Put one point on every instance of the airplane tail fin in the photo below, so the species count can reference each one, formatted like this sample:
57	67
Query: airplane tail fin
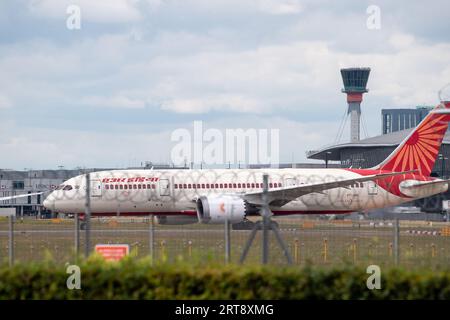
420	148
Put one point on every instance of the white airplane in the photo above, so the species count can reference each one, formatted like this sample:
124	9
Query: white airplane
211	196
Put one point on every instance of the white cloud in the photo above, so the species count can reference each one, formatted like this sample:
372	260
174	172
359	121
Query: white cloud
223	103
50	148
116	101
5	102
401	40
103	11
281	6
195	57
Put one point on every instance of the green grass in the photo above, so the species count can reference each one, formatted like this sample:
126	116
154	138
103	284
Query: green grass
326	243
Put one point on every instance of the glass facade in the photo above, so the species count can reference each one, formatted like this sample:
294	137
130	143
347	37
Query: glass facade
400	119
355	79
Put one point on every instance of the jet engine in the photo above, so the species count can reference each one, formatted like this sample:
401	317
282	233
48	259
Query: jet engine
175	220
215	209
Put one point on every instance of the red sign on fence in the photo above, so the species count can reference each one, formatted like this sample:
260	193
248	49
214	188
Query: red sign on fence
112	252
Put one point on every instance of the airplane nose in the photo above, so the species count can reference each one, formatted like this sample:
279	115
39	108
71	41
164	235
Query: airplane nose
49	203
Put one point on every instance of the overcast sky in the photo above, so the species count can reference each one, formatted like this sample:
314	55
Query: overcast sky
111	93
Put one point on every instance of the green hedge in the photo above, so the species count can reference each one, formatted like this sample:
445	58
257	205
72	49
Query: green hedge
136	279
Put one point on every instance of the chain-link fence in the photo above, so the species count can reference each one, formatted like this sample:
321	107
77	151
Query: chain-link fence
310	241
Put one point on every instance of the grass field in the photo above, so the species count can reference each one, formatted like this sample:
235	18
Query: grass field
314	242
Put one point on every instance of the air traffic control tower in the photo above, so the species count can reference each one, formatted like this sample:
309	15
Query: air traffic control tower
355	81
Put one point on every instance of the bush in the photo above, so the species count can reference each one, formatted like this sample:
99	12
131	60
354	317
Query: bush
137	279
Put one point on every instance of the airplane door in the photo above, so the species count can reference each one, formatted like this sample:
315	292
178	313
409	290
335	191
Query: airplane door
96	188
372	189
164	187
288	182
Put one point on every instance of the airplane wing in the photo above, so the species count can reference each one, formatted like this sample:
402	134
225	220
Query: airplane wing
281	196
20	196
420	184
414	188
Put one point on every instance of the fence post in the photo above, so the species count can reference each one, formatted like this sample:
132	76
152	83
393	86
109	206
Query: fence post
190	249
265	221
151	239
433	250
163	251
87	216
77	234
396	242
11	240
296	251
227	241
325	250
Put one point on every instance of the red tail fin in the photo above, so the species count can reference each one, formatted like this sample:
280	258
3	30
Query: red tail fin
420	149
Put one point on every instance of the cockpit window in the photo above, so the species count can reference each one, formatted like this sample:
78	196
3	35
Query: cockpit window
60	187
67	188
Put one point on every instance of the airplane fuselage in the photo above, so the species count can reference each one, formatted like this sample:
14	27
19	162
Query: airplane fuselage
165	192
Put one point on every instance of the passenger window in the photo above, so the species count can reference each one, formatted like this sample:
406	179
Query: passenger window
221	185
144	186
125	187
234	185
116	187
253	185
207	186
203	186
217	185
121	187
175	186
153	186
139	186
